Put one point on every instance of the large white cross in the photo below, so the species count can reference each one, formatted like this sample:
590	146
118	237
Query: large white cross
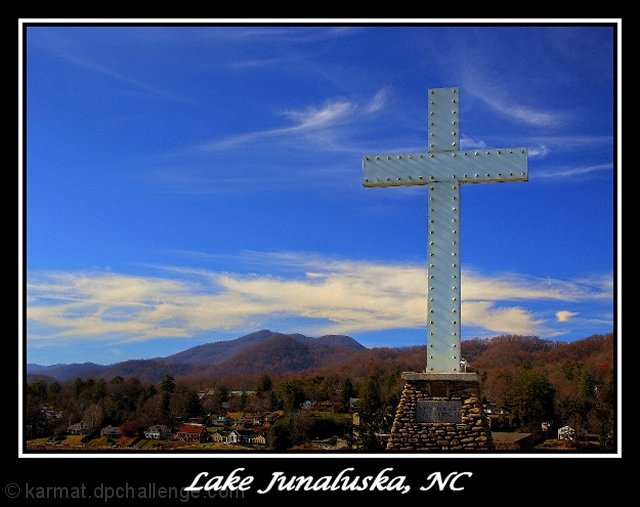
444	168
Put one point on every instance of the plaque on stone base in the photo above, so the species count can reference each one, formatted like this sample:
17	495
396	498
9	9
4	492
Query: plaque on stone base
432	411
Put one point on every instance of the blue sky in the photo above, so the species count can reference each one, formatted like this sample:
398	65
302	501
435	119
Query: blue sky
191	184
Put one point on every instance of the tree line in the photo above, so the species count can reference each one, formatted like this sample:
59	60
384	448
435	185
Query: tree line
532	381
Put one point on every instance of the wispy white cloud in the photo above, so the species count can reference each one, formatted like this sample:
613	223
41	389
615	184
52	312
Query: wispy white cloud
568	172
320	117
540	150
514	286
468	143
297	35
325	295
283	45
498	98
509	108
63	48
244	179
101	69
312	120
569	143
252	63
524	113
565	315
378	101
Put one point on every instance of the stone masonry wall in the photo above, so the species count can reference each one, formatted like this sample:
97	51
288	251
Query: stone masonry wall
471	433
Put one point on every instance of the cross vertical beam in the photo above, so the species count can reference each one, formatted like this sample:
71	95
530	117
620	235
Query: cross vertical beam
443	245
444	168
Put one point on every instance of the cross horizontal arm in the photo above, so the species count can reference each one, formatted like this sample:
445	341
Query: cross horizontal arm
474	166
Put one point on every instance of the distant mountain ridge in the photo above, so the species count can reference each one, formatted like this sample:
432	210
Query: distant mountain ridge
277	353
260	351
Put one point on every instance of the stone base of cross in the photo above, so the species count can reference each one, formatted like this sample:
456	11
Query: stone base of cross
443	168
440	412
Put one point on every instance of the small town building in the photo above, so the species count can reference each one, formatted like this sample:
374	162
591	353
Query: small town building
157	432
111	432
191	432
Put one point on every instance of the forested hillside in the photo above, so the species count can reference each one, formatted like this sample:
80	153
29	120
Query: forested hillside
531	380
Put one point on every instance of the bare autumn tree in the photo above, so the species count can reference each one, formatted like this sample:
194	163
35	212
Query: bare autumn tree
92	416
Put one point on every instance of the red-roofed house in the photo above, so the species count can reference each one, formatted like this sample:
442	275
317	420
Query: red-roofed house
190	432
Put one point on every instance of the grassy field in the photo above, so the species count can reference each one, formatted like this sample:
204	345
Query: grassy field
566	445
72	440
210	446
146	444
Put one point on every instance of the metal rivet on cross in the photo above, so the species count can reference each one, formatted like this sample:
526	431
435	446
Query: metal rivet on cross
440	169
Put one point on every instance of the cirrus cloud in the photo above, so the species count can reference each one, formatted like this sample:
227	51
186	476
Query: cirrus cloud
310	121
325	295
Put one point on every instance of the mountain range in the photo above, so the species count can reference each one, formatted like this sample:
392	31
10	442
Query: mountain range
277	353
260	351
